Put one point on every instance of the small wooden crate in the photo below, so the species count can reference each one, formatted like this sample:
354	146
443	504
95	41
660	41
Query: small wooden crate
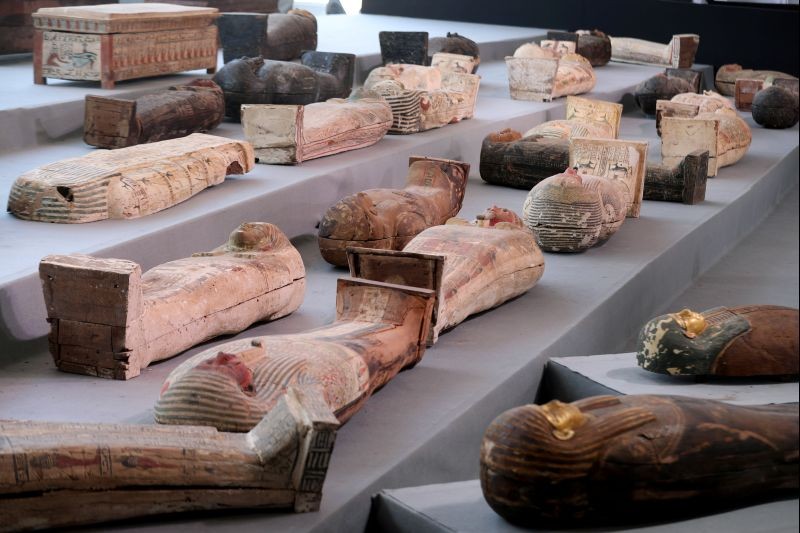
114	42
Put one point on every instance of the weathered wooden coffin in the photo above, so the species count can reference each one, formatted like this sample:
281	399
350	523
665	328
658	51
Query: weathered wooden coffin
471	266
755	340
511	160
127	183
614	460
715	126
622	162
728	74
594	45
678	53
176	112
684	182
280	36
584	118
16	22
227	6
571	212
664	86
114	42
424	98
388	219
457	45
379	330
289	134
70	474
541	74
404	47
776	107
318	77
107	319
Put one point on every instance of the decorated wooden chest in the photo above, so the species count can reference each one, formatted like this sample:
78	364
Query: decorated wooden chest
115	42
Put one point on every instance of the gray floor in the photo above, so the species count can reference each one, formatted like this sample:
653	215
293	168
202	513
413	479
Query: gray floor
762	269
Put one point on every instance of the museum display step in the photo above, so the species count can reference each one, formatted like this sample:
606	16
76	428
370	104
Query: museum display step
450	507
293	197
425	426
572	378
36	114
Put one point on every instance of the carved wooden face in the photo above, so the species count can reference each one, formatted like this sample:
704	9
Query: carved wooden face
495	215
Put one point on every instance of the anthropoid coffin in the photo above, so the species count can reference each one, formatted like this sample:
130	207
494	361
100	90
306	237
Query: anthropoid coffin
728	74
288	134
72	474
379	330
281	36
318	77
471	266
755	340
664	86
624	460
388	219
423	98
16	22
227	6
127	183
773	104
571	212
511	160
107	319
114	42
678	53
584	118
706	121
175	112
594	45
541	74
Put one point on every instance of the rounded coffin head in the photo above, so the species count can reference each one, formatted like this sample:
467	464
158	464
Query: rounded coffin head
564	215
775	107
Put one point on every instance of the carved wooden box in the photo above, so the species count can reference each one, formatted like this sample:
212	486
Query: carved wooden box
114	42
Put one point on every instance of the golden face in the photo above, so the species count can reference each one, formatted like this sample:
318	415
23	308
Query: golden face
692	323
565	418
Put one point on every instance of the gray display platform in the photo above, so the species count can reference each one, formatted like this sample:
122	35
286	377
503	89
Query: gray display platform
36	114
294	197
425	425
460	507
573	378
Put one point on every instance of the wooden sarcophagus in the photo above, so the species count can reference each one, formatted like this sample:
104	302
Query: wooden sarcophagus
626	460
108	319
542	74
129	182
181	110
